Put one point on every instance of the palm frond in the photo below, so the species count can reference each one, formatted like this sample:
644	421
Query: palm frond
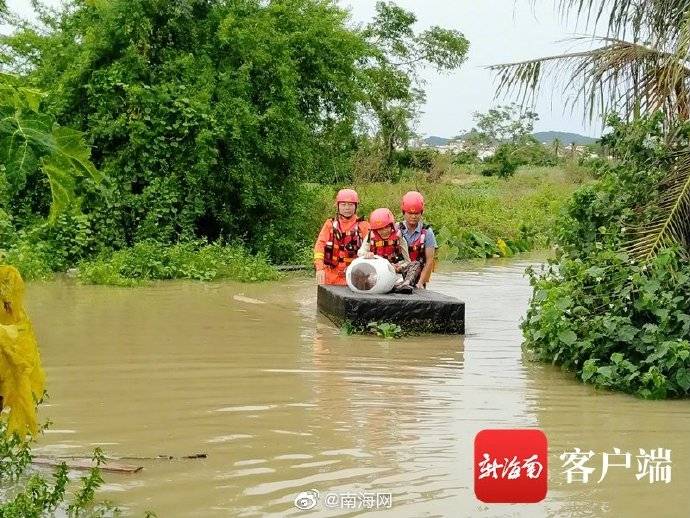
617	75
671	225
640	67
638	20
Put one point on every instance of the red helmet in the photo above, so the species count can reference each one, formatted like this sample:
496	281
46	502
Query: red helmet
381	218
412	202
347	196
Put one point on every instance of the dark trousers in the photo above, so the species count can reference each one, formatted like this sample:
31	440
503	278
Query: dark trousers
411	273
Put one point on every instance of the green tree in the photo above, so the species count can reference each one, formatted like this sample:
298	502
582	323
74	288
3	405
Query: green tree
208	114
502	124
205	114
392	88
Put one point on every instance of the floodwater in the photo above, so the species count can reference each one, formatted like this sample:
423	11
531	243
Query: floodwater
281	403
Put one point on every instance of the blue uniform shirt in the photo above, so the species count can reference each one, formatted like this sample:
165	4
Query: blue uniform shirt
411	237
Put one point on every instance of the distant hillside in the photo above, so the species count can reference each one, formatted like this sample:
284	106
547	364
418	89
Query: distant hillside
542	136
436	141
564	137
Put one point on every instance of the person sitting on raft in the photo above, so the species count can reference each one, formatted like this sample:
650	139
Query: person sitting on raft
384	240
420	239
339	239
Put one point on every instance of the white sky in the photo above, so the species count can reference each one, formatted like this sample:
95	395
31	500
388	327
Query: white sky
499	31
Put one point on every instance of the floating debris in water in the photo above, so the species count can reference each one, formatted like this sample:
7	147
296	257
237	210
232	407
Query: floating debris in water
248	300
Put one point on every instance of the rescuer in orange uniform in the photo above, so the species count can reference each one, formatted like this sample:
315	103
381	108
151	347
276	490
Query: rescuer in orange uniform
339	239
420	238
384	240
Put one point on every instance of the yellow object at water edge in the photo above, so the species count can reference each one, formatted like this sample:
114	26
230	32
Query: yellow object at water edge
21	376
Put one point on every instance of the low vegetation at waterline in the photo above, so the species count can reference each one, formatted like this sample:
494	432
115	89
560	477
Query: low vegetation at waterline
386	330
28	493
147	261
474	217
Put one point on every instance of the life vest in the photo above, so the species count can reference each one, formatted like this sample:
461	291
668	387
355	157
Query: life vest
343	246
417	248
386	248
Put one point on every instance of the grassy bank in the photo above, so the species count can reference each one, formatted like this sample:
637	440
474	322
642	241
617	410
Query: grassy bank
473	216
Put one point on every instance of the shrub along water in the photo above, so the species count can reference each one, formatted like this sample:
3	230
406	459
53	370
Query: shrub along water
150	260
486	217
24	493
617	322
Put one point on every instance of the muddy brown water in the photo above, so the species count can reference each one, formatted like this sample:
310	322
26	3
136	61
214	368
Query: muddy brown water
282	403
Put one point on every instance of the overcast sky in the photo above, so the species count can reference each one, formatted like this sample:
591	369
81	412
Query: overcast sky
499	31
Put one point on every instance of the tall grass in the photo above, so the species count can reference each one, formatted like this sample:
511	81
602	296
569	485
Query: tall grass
472	217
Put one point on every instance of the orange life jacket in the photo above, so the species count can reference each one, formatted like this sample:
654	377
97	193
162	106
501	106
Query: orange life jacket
386	248
417	247
343	245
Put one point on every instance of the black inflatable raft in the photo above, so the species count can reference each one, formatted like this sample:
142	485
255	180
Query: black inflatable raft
422	311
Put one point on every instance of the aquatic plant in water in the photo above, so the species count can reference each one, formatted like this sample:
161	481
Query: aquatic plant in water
385	329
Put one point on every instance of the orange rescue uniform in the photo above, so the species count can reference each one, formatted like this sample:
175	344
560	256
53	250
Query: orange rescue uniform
335	274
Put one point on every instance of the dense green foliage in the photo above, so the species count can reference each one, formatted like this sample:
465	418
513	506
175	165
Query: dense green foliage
35	151
44	171
44	167
205	117
616	322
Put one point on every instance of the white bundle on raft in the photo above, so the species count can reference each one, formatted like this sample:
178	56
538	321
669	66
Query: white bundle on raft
375	275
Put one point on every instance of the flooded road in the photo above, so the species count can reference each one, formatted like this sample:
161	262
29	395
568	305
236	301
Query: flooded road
282	403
